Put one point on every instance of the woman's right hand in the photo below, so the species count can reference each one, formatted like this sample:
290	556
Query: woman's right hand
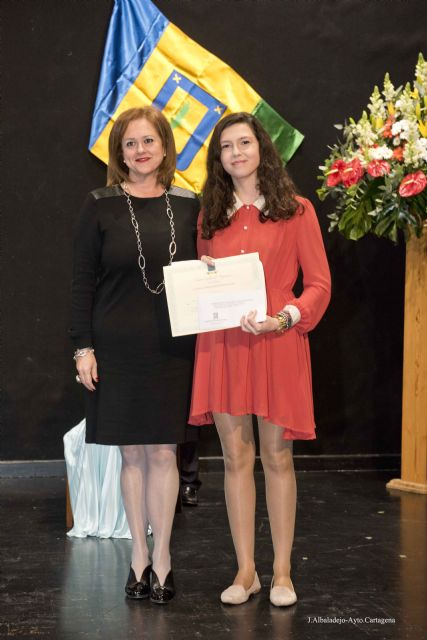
208	260
87	369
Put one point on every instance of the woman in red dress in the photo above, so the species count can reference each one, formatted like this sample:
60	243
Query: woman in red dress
261	368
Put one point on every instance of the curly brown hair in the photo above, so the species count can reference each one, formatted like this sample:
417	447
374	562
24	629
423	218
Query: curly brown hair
274	182
117	171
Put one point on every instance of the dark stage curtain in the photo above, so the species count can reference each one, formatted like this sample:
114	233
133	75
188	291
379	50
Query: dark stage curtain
316	63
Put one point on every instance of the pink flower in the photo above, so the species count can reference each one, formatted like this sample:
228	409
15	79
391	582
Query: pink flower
412	184
378	168
352	173
335	173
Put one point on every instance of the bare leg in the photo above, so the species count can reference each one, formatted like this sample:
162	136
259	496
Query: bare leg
238	447
132	480
280	485
161	496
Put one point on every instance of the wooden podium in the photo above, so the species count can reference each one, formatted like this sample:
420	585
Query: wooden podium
414	403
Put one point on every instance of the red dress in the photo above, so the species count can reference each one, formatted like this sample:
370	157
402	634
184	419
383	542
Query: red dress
267	375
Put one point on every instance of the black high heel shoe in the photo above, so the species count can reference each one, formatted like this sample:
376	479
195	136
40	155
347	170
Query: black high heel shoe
162	594
138	589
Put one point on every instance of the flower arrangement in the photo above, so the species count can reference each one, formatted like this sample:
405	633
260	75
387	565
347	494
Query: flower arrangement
378	173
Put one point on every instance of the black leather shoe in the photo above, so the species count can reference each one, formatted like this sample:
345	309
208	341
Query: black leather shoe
162	594
189	496
138	589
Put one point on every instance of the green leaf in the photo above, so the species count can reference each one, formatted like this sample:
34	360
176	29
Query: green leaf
383	227
322	194
393	233
355	222
356	233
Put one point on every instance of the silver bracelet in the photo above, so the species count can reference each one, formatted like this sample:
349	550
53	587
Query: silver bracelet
79	353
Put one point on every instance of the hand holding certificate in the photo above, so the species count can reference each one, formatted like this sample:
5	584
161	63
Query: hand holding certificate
202	298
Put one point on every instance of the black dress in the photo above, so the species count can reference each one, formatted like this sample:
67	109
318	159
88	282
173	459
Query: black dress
143	393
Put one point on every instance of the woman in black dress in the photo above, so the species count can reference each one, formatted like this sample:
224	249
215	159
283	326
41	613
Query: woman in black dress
137	378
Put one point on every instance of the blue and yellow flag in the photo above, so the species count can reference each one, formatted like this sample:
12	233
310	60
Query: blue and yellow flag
149	61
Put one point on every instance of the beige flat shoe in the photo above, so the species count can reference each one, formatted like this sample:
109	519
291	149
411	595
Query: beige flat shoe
237	594
282	596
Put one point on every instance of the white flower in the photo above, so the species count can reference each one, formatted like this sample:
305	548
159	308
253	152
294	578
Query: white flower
357	154
364	134
407	129
420	146
380	153
415	152
399	126
405	104
350	132
421	72
389	92
377	105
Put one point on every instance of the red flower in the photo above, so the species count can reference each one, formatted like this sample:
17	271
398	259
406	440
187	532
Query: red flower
412	184
352	173
378	168
335	173
398	154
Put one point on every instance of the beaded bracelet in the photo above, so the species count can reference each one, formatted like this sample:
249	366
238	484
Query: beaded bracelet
79	353
285	321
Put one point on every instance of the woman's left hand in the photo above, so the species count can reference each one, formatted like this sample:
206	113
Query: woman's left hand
250	325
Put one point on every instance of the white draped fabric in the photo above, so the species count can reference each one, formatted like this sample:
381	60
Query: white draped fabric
94	481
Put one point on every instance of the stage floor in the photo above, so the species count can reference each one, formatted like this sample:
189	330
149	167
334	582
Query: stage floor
359	568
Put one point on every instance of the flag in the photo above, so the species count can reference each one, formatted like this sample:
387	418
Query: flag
149	61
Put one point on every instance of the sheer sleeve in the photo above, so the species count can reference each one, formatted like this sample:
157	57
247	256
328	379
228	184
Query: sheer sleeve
313	301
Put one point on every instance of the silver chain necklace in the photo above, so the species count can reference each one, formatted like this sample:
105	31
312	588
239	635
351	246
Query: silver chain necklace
172	245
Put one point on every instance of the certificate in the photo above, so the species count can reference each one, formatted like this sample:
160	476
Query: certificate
202	298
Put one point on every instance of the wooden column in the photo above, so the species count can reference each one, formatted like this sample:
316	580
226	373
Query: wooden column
414	404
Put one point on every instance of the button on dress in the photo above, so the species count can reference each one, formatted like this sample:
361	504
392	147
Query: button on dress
268	375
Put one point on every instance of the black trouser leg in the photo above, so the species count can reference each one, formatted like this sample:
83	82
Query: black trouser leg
189	459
